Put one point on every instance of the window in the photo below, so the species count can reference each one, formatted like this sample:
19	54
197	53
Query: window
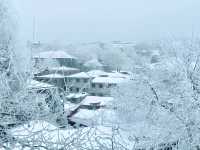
168	148
93	85
71	89
95	105
77	89
85	80
104	75
40	104
100	94
100	85
77	80
109	85
85	89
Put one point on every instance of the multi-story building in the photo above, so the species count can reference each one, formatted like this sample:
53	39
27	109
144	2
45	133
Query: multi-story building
79	82
95	82
102	86
61	57
58	70
54	79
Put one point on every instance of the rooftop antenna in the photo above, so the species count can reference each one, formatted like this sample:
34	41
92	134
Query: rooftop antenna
34	29
32	44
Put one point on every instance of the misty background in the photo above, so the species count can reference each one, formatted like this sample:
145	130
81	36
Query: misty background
67	21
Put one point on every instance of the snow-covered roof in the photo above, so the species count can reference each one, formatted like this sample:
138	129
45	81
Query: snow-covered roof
111	80
63	68
123	72
155	52
93	117
79	75
53	54
55	75
114	74
69	107
118	75
96	73
33	84
89	100
76	95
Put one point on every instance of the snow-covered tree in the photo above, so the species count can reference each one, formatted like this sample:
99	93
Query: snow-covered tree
18	103
165	95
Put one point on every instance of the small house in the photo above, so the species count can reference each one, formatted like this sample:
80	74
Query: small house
101	86
96	102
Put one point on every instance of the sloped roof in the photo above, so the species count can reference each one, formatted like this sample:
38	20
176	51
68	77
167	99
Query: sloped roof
79	75
53	54
118	75
97	99
69	107
93	117
96	73
55	75
33	84
63	68
76	95
108	80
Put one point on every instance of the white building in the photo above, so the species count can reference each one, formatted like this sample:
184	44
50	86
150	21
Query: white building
76	97
102	86
63	70
95	82
54	79
96	102
79	82
36	85
63	58
94	110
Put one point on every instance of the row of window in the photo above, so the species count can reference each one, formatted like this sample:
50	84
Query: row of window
97	94
99	85
76	89
94	85
78	80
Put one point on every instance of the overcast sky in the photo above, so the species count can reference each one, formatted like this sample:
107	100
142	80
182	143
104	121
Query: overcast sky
107	20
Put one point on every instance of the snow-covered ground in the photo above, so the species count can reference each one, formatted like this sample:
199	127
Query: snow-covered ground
43	134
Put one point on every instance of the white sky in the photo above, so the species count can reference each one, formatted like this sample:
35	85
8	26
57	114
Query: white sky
107	20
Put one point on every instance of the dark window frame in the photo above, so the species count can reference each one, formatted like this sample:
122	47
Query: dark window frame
93	85
101	85
85	80
78	80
